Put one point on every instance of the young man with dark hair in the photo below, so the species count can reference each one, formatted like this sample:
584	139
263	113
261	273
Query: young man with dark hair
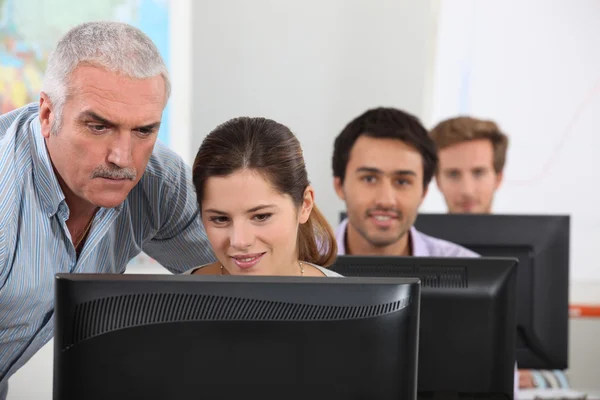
383	162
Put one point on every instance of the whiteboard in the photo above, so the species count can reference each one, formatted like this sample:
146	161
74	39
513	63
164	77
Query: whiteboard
534	68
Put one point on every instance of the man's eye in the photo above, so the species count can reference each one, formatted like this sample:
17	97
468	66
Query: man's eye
368	178
98	128
146	132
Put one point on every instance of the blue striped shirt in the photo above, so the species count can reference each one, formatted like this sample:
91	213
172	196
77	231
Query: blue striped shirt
160	216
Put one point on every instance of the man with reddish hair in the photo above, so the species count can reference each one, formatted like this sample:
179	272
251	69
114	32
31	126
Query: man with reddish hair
472	154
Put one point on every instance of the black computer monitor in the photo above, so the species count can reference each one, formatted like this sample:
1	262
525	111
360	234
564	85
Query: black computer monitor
226	337
541	243
468	318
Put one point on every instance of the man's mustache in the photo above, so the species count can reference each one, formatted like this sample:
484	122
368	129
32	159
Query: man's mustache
114	173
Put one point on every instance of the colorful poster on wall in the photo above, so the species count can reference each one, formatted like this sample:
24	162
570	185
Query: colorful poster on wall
29	30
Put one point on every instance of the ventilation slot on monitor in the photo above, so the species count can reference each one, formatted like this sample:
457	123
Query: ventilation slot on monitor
435	276
109	314
443	277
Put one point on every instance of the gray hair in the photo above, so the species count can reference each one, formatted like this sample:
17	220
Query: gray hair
114	46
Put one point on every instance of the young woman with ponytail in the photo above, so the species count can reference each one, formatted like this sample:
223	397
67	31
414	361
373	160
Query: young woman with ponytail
257	205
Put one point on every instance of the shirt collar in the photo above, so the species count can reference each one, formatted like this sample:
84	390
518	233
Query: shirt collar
46	184
340	237
417	242
419	246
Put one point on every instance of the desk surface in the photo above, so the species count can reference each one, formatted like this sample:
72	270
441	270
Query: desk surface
532	394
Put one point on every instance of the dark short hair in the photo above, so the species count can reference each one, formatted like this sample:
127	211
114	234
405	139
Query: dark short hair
385	123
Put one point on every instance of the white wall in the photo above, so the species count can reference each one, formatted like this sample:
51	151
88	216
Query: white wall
534	67
312	65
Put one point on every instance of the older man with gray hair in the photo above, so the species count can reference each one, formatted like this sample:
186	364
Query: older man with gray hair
84	185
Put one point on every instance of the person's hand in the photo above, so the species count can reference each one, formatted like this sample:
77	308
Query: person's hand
526	379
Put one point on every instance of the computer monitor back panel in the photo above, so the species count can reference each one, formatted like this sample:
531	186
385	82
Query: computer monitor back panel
171	337
467	321
541	244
